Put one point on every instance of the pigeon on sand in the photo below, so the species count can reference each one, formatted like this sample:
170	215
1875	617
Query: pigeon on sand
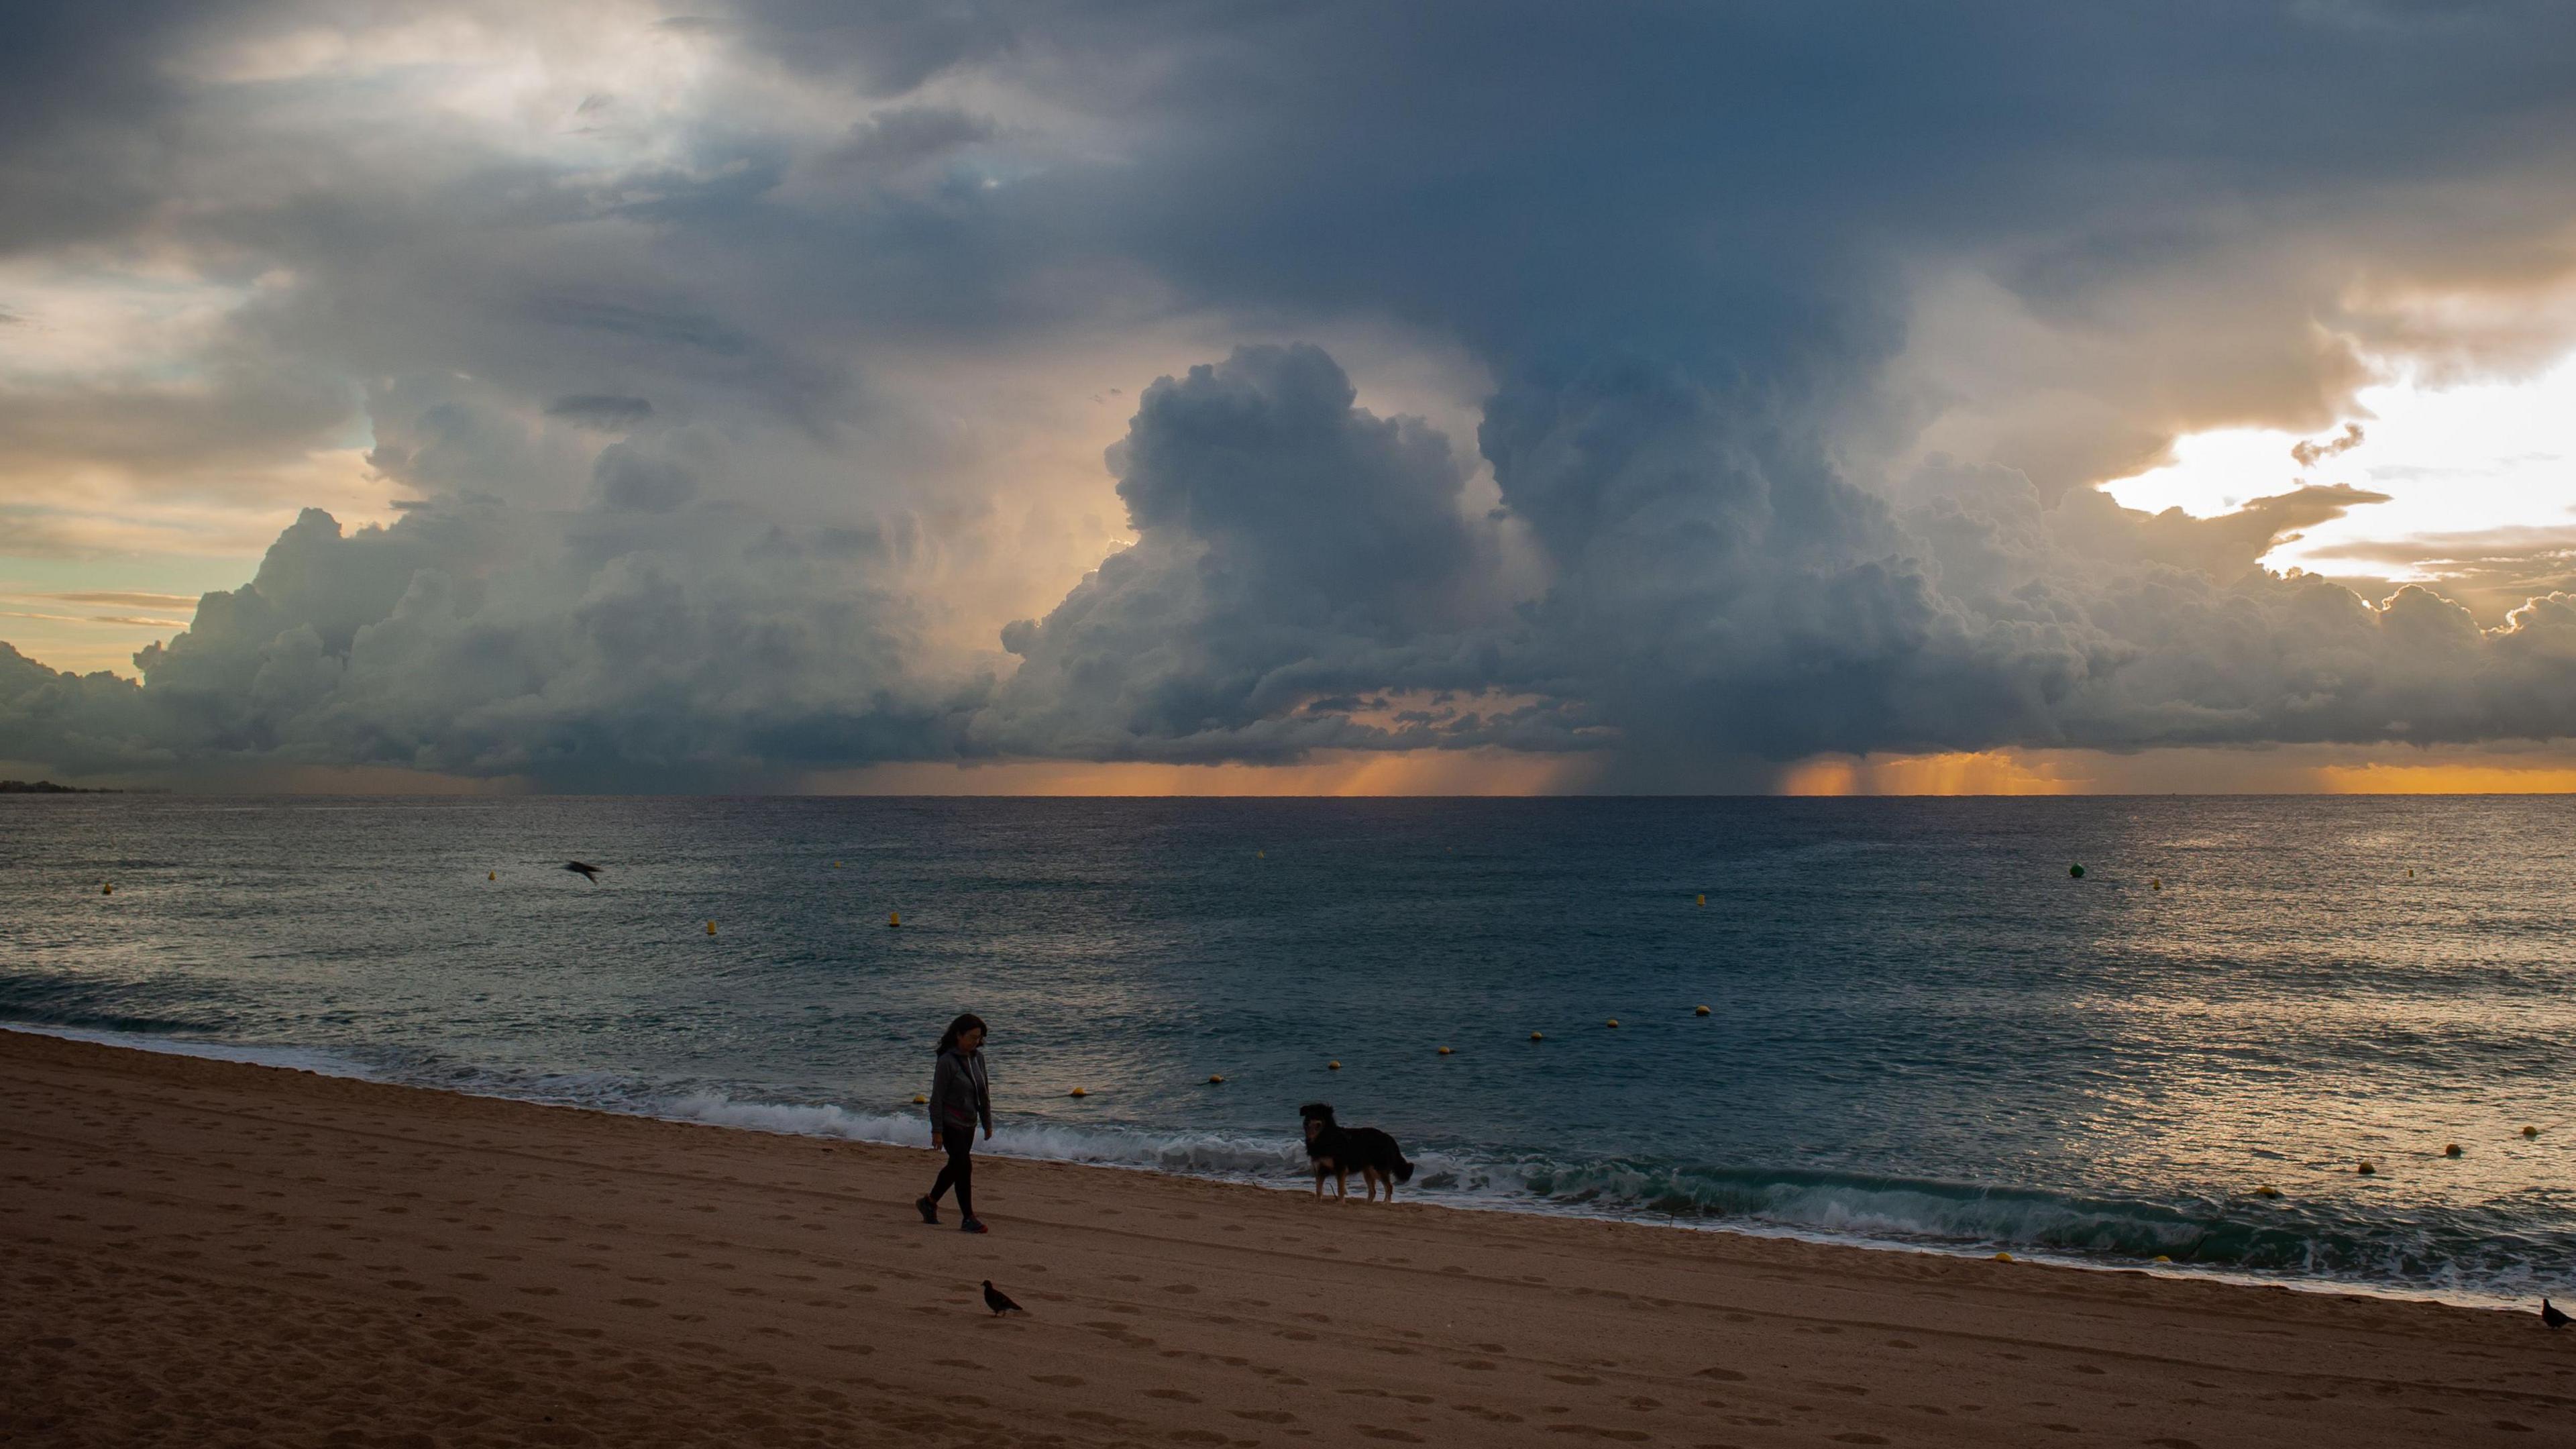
584	869
999	1301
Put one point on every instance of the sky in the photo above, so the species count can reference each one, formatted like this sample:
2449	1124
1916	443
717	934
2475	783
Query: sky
1264	398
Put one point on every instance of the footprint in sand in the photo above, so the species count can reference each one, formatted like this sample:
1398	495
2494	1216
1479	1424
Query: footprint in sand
1266	1416
1574	1378
1178	1396
1595	1431
1061	1381
1857	1438
1394	1435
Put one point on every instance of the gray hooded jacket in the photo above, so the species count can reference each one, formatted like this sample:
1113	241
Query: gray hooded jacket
959	1094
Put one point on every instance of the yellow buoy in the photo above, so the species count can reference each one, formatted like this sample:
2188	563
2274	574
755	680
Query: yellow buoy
2003	1257
1332	1066
1702	899
2155	882
1699	1011
491	875
1538	1036
1444	1051
1215	1081
894	920
2530	1131
1614	1021
918	1099
711	928
2451	1149
106	888
2161	1258
836	865
1077	1092
2367	1167
2410	872
2267	1190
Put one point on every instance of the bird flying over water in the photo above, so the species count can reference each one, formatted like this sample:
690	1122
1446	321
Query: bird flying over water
999	1301
584	869
2549	1313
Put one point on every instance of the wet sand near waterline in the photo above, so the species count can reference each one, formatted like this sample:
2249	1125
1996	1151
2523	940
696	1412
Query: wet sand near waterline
197	1252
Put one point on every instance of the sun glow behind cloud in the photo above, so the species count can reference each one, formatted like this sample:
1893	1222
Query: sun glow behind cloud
2489	458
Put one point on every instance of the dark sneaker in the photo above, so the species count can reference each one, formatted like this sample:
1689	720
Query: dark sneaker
929	1210
973	1225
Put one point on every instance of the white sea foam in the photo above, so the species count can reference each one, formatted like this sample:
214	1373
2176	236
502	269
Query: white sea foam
1203	1154
301	1059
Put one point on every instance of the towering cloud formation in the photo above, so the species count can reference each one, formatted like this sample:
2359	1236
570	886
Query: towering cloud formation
606	650
1294	552
726	370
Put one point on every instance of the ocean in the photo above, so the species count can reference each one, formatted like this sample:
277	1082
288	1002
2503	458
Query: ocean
1923	1030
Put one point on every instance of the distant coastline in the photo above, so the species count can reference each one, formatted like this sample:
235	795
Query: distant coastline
47	787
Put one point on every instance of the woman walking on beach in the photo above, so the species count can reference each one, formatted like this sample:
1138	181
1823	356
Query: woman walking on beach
960	1099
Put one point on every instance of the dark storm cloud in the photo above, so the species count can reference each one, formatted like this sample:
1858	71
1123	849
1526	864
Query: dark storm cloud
1689	243
1290	545
596	410
89	112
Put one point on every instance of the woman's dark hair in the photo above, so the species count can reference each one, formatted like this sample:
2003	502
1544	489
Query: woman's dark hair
962	1025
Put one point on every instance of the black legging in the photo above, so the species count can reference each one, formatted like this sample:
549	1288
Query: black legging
960	1171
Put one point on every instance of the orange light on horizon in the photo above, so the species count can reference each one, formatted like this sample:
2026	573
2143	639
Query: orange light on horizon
1980	772
2378	779
1337	773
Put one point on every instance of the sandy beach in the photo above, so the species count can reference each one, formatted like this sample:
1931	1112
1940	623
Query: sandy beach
206	1252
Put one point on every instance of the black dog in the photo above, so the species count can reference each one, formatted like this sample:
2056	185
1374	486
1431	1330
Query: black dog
1341	1151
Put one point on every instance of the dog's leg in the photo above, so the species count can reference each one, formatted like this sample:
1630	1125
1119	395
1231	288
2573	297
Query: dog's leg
1319	1182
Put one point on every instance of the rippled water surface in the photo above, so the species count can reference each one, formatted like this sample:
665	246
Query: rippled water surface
1921	1028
